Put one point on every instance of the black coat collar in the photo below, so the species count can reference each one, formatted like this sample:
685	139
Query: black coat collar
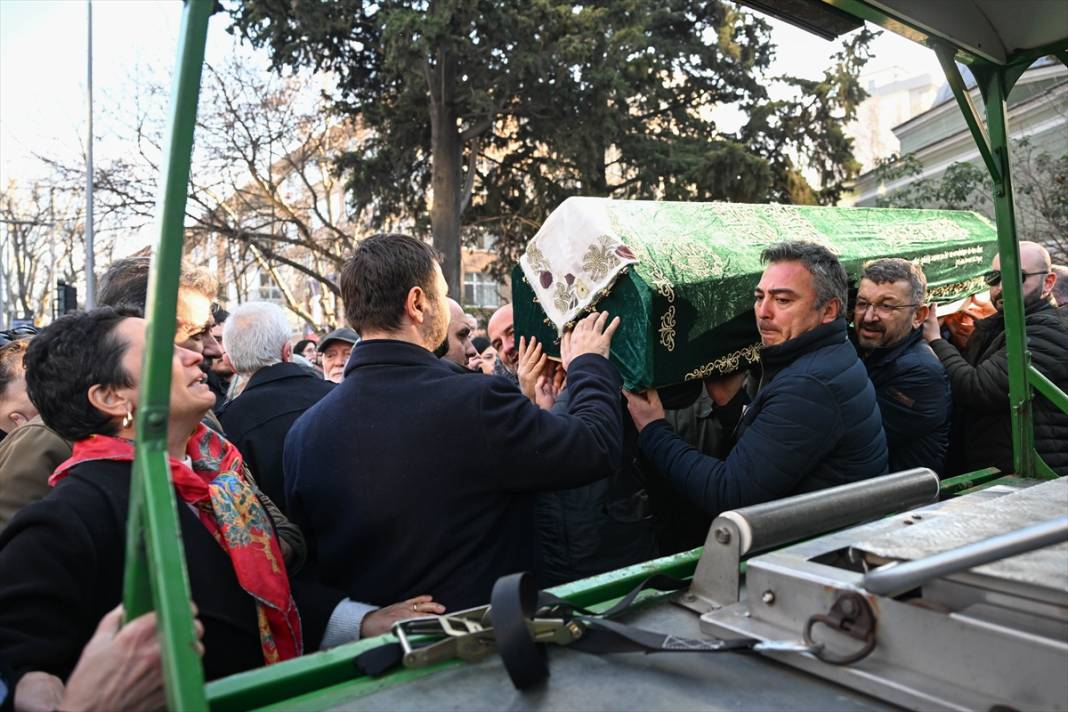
378	352
277	372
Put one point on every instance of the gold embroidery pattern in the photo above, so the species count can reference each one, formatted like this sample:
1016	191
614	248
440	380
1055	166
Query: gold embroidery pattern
599	259
728	363
564	296
956	290
937	230
667	329
537	258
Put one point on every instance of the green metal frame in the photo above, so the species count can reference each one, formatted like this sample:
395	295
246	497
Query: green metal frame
156	577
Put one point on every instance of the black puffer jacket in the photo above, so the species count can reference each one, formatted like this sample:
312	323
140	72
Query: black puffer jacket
814	423
980	381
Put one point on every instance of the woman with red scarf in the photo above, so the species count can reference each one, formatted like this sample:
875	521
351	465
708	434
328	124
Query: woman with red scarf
61	559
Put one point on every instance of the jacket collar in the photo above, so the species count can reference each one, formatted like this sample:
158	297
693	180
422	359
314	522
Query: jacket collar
391	352
889	354
775	358
989	329
276	372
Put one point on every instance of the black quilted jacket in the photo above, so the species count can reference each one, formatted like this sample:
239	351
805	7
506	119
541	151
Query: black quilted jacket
980	381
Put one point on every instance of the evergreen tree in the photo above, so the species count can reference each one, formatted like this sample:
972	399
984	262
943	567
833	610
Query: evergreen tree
503	108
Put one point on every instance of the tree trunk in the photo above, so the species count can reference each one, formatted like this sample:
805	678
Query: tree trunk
446	149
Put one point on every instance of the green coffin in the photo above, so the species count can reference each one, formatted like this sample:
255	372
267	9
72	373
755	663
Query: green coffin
681	275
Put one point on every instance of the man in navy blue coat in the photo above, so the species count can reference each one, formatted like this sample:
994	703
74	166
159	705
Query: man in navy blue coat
911	384
409	477
813	423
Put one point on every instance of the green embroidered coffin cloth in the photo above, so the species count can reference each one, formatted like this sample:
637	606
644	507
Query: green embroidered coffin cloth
681	275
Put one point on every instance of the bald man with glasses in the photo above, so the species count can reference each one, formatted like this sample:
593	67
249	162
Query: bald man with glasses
982	430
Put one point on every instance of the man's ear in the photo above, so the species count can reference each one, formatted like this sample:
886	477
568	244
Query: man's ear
287	354
109	401
1047	284
831	310
415	305
18	418
920	315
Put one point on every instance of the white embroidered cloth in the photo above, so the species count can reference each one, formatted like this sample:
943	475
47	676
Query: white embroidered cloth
576	254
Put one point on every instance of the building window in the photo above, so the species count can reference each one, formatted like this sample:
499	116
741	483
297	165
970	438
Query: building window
484	241
269	291
480	290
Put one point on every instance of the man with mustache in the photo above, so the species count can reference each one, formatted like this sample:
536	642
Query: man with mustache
982	424
911	384
813	423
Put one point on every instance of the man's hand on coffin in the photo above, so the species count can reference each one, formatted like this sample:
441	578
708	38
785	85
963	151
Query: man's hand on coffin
590	336
531	366
931	329
548	388
644	407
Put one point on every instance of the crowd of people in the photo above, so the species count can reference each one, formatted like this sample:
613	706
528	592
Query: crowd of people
398	466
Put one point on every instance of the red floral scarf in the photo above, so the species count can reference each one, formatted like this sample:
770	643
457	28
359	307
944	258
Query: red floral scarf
228	506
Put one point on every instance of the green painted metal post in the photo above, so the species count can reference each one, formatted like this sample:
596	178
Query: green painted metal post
995	92
153	535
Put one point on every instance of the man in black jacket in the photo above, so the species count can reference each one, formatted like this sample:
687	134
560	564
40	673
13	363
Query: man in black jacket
409	477
910	382
814	422
276	391
982	431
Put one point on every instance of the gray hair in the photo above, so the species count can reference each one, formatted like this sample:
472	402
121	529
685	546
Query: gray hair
895	269
828	274
255	335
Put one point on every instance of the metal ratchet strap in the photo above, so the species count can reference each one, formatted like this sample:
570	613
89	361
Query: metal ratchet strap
512	609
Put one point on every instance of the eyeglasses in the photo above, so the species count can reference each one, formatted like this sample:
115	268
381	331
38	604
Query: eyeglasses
881	310
993	277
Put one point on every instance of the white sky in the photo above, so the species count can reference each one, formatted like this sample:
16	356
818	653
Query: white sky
43	67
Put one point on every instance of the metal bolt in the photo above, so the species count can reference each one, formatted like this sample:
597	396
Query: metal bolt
723	535
689	597
849	607
156	419
768	597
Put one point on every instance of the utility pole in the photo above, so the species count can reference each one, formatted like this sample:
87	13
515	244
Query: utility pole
90	277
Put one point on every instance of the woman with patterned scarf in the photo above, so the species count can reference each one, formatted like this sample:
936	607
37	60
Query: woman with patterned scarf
61	559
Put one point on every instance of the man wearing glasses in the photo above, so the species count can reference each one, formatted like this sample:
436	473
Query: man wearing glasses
911	384
982	434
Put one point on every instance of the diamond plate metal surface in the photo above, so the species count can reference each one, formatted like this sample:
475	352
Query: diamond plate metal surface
961	525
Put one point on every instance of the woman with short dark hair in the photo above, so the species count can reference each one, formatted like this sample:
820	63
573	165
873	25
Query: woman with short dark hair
61	559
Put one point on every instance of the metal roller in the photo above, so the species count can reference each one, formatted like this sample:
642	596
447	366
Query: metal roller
765	526
749	530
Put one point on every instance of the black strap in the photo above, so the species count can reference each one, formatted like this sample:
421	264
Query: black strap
525	661
377	661
659	582
515	601
605	636
512	603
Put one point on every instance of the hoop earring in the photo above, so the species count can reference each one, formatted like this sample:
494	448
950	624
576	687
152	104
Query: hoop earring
127	419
